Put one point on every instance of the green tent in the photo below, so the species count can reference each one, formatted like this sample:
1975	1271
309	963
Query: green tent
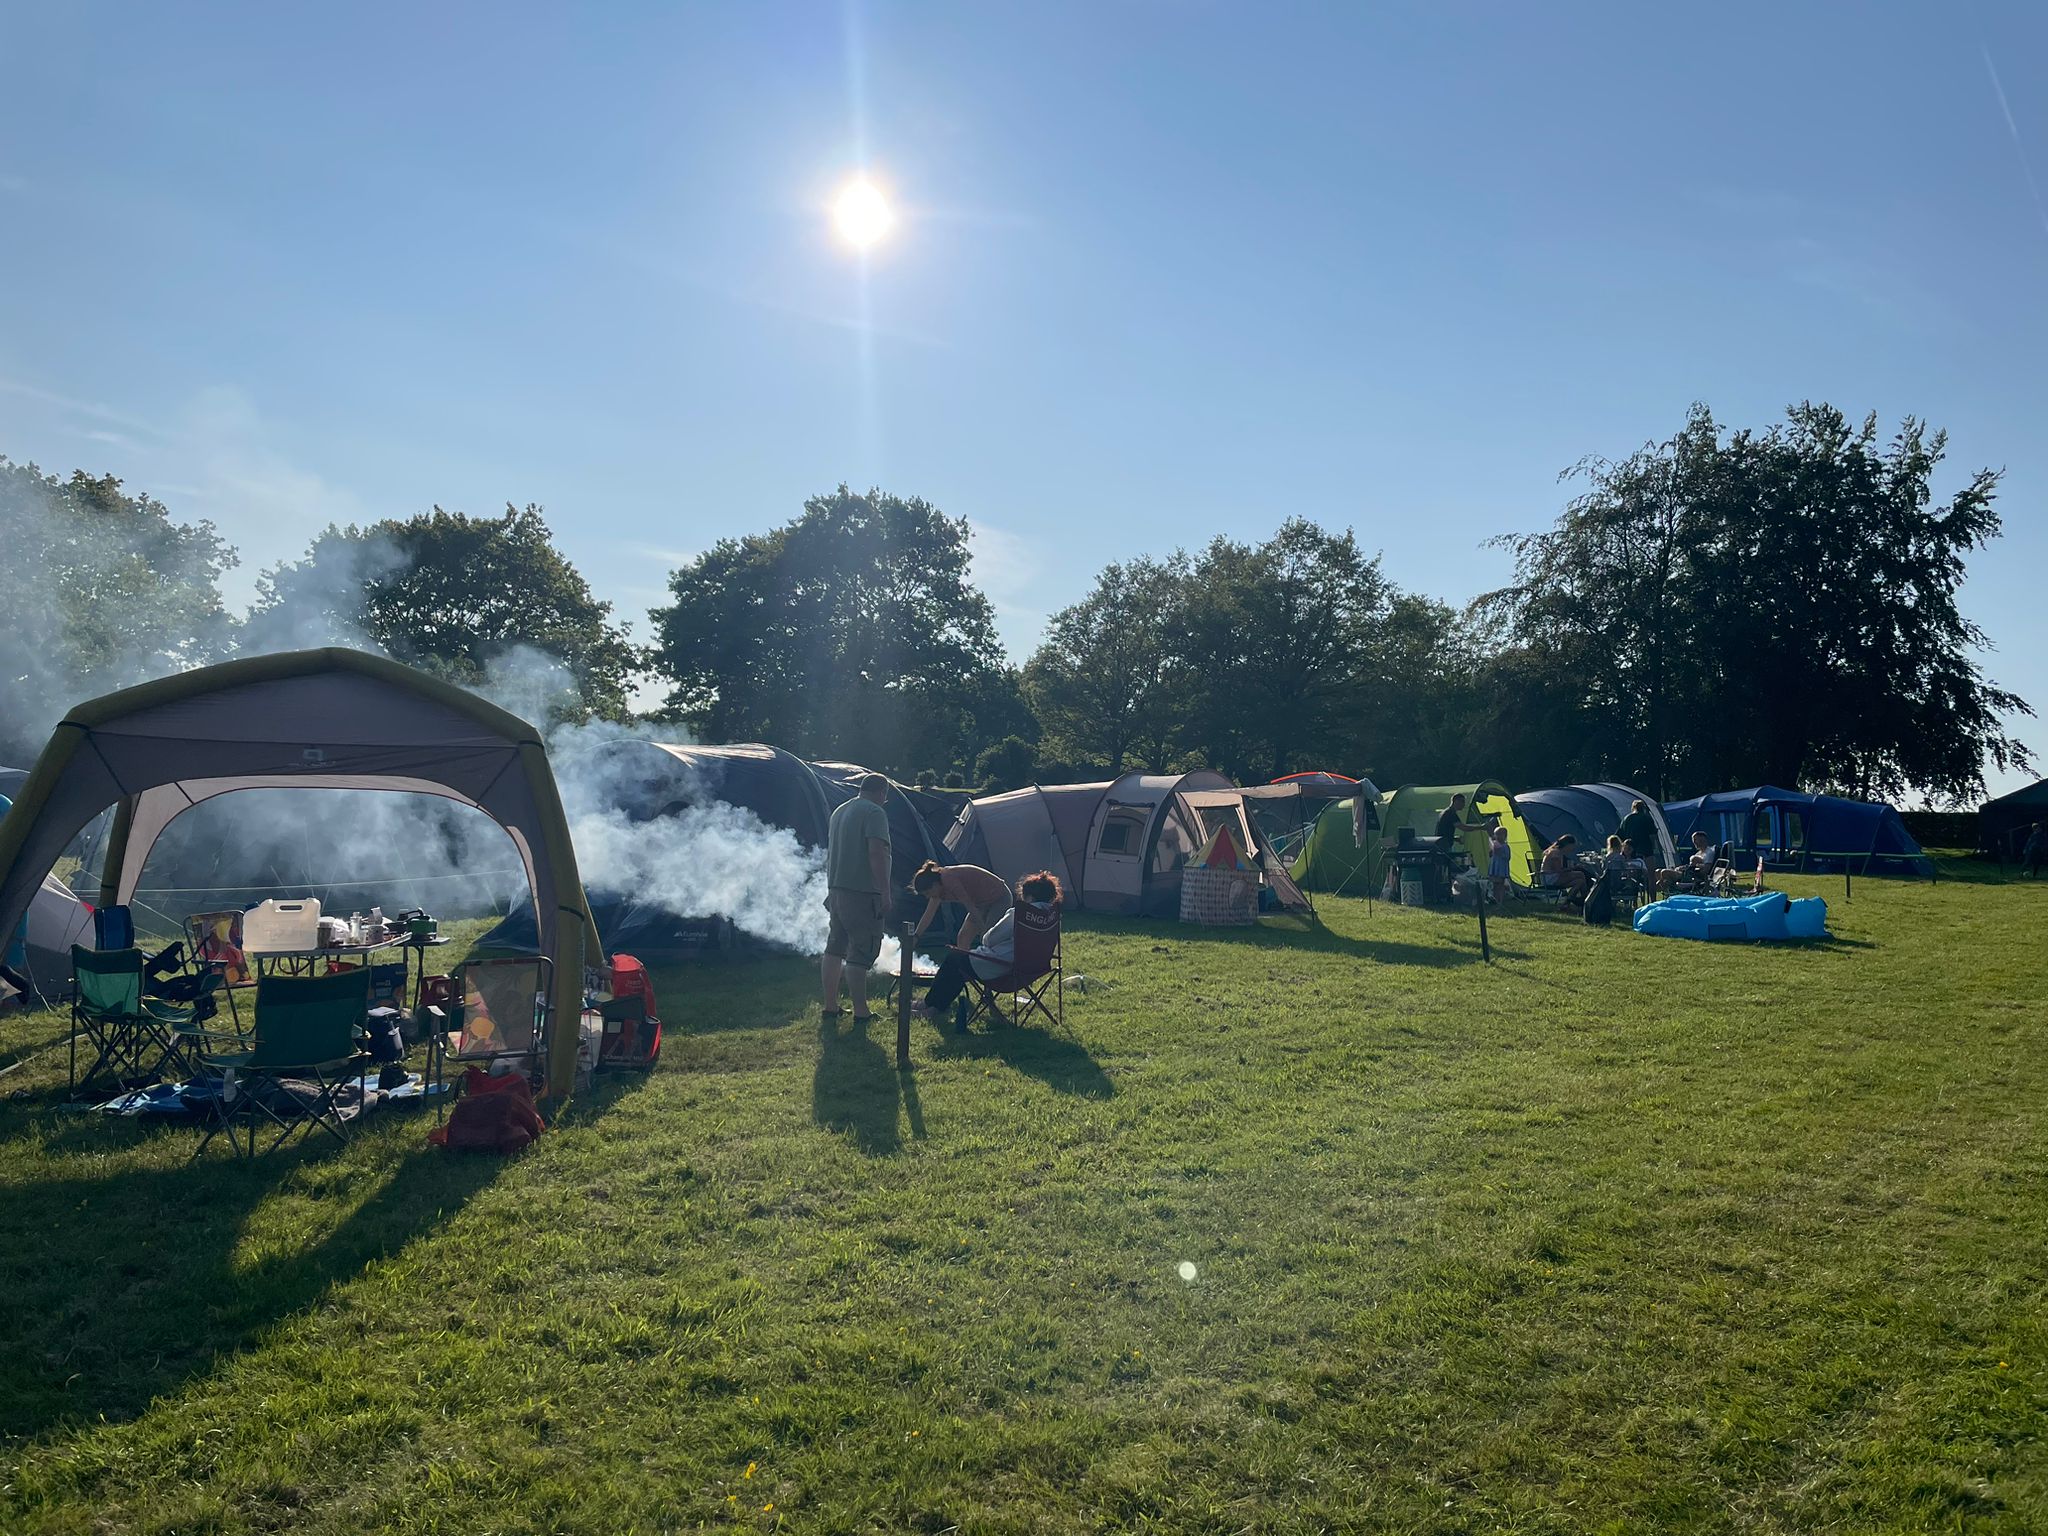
1330	855
1332	860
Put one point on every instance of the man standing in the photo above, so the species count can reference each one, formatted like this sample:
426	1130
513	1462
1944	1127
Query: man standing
857	894
1640	827
1451	824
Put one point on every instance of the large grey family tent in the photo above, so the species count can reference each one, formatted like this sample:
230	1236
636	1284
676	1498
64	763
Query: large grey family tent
306	720
1116	847
1592	813
1792	830
2003	824
57	919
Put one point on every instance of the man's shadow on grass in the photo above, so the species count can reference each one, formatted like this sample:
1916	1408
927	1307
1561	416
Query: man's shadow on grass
857	1091
123	1286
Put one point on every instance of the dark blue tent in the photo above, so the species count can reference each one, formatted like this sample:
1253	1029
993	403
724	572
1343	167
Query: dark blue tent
2003	824
1591	813
1792	830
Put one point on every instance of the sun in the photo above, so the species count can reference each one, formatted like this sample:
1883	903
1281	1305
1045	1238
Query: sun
861	214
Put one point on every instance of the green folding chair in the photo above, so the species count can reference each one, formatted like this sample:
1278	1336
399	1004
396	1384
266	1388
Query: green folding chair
301	1049
134	1040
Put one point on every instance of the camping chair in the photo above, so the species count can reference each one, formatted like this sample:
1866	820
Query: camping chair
304	1033
1035	968
214	945
503	1014
133	1037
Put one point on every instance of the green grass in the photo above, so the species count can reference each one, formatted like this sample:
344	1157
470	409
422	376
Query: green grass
1616	1234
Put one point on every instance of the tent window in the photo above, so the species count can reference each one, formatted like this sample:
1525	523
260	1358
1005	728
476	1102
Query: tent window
1120	834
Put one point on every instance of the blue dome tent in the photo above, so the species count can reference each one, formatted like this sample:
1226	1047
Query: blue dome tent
1792	830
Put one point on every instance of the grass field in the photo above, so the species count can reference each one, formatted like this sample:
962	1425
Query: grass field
1615	1234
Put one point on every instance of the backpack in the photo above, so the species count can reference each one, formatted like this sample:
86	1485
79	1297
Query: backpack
1599	909
494	1114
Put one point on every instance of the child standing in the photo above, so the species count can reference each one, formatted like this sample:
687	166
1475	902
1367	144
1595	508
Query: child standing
1497	862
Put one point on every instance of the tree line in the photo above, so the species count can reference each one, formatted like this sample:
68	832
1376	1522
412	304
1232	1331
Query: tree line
1723	608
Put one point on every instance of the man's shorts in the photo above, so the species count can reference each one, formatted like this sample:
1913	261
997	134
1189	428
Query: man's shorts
856	932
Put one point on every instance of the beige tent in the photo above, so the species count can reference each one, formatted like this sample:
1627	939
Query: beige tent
1116	847
327	719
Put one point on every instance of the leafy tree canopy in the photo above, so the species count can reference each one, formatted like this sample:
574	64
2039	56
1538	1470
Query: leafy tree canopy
854	630
456	595
1782	607
100	588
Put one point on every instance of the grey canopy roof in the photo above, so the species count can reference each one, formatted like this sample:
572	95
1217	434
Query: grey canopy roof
324	719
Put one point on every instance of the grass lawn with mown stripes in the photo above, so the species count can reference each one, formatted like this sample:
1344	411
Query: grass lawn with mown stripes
1613	1234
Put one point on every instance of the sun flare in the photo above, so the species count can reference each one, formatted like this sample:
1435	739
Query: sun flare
861	214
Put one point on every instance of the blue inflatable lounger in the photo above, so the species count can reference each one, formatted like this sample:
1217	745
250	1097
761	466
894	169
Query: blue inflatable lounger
1743	919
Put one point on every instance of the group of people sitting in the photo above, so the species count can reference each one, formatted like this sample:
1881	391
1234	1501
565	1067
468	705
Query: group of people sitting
1564	870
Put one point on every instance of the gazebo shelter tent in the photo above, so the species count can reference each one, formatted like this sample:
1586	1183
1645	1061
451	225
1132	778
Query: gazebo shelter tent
2003	824
323	719
1790	829
1591	813
1286	812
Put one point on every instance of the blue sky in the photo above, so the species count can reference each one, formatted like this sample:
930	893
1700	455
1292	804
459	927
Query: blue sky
1163	270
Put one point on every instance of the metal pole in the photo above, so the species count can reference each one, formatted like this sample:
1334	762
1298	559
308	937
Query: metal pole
904	976
1485	949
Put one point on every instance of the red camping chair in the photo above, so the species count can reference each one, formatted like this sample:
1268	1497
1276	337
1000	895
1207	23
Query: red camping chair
1035	969
632	1028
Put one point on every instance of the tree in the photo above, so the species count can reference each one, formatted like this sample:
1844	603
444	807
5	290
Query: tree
100	588
1281	643
1778	607
483	601
1006	765
851	631
1106	683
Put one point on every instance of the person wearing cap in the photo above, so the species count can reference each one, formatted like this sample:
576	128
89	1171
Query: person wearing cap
856	895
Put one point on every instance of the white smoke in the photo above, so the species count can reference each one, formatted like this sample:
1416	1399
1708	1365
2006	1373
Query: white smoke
700	857
710	860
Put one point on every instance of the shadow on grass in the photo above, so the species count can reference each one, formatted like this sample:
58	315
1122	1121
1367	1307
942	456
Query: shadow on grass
747	992
856	1092
1966	869
1318	939
1062	1064
123	1286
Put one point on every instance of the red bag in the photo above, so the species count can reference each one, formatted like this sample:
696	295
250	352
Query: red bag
494	1114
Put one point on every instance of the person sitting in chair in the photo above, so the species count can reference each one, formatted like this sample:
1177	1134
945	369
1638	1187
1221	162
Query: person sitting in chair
980	891
1693	872
1634	865
1561	871
998	947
